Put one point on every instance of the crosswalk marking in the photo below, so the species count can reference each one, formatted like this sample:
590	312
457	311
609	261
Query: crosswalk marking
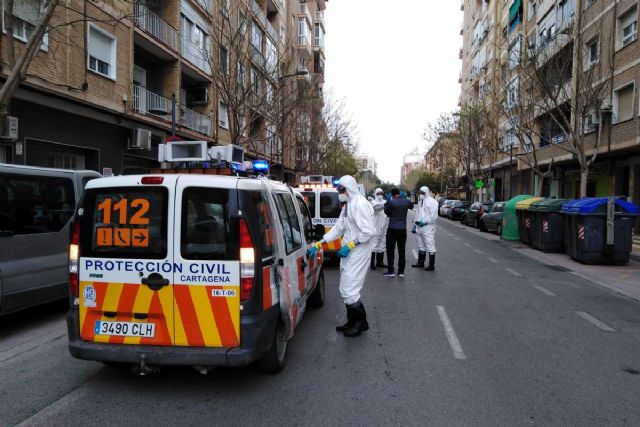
456	348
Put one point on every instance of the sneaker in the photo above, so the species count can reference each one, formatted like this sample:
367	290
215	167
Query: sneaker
401	275
389	274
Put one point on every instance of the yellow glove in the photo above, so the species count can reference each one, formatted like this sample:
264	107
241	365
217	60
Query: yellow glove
351	244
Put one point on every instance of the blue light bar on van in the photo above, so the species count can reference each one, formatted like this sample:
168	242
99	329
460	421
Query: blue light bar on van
336	182
260	165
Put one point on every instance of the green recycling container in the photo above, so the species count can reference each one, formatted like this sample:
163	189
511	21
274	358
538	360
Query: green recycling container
547	233
510	219
525	219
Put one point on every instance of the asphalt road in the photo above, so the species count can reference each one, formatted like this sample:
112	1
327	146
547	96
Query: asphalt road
491	338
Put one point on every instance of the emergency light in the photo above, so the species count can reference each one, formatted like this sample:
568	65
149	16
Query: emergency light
260	166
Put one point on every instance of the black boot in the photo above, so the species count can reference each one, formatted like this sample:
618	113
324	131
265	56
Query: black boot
432	262
422	256
380	260
373	260
359	320
349	323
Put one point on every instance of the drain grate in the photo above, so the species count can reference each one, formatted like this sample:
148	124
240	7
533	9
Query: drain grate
558	268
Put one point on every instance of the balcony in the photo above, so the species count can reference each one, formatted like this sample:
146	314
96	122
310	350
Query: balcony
195	121
304	10
261	16
150	103
320	16
155	26
196	55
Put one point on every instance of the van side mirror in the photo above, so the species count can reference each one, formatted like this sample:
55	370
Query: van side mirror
318	231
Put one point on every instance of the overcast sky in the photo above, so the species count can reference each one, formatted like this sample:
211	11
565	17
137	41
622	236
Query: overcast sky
395	63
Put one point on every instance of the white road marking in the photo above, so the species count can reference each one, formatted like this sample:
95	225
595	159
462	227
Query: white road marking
456	348
456	238
478	251
467	244
515	273
544	290
415	254
493	260
595	322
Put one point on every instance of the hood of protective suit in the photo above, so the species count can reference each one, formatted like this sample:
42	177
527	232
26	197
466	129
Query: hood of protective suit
350	184
378	190
426	191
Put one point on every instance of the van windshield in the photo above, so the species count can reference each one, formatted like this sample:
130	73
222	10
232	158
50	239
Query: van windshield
329	204
124	223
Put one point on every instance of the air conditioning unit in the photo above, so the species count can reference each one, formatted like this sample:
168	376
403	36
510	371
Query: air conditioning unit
199	95
606	106
595	119
11	128
141	139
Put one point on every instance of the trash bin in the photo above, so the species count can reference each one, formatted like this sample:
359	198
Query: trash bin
547	233
510	219
525	218
598	230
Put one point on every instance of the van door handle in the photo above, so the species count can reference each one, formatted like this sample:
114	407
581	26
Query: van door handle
155	281
303	264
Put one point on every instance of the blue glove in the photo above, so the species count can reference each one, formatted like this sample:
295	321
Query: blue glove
420	223
313	249
344	251
414	229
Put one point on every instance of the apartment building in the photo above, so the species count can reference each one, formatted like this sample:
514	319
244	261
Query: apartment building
543	35
410	162
114	79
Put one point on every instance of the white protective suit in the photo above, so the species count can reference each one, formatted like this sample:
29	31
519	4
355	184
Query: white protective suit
381	222
355	223
428	213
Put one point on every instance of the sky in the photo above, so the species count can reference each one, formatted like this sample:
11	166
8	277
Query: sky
395	64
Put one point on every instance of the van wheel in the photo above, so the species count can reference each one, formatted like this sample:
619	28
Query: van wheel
316	299
274	360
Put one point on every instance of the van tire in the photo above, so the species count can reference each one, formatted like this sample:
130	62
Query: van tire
316	299
275	358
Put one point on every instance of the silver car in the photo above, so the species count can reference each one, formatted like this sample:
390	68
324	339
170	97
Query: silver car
36	210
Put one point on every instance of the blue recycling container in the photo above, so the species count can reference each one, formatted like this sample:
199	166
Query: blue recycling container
599	230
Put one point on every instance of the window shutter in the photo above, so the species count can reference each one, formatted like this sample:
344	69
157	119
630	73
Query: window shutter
100	46
27	10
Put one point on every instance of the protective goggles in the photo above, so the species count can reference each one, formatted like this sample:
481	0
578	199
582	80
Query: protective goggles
342	189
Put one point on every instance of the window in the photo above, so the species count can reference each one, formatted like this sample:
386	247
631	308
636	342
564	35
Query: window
256	81
304	32
271	58
329	204
102	52
310	199
257	36
224	60
532	10
25	17
205	232
623	104
290	222
266	225
242	74
223	115
242	23
35	204
318	37
565	12
225	7
510	140
513	92
590	122
514	52
627	28
592	55
270	139
306	217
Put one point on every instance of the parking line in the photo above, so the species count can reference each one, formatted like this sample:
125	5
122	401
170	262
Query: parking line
493	260
478	251
595	322
456	348
515	273
415	254
456	238
544	290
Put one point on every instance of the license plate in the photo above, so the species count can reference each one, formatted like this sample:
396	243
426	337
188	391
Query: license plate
125	329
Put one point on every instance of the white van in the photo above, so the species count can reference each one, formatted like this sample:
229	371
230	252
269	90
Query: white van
191	269
36	208
325	208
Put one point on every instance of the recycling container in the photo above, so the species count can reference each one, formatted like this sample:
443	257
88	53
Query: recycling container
525	219
548	225
510	219
598	230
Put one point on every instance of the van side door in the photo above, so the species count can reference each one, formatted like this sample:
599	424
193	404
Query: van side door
314	263
291	261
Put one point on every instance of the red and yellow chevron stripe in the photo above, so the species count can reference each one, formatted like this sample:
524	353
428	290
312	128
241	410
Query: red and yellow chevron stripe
331	246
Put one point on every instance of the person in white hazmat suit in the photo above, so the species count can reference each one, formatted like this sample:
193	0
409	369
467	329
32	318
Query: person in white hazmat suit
355	226
425	229
381	221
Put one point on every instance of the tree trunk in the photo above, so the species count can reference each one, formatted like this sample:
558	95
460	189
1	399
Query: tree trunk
11	52
19	71
538	191
584	173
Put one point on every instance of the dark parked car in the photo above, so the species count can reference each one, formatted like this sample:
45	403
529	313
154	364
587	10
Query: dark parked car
475	212
492	220
458	209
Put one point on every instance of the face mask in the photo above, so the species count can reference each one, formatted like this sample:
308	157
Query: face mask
343	198
422	197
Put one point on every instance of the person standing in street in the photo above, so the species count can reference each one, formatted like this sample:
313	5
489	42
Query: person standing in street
381	222
396	209
355	226
425	229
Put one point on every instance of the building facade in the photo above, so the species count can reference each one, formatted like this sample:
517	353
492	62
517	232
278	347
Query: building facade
114	79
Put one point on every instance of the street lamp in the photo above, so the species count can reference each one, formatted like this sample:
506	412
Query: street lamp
510	169
302	71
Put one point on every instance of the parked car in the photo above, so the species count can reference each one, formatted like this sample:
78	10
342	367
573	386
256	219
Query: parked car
492	220
441	201
446	206
475	212
36	208
458	209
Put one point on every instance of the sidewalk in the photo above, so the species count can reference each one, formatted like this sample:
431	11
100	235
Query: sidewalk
622	279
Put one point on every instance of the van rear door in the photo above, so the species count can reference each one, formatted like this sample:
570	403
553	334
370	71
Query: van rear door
126	263
207	258
329	212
